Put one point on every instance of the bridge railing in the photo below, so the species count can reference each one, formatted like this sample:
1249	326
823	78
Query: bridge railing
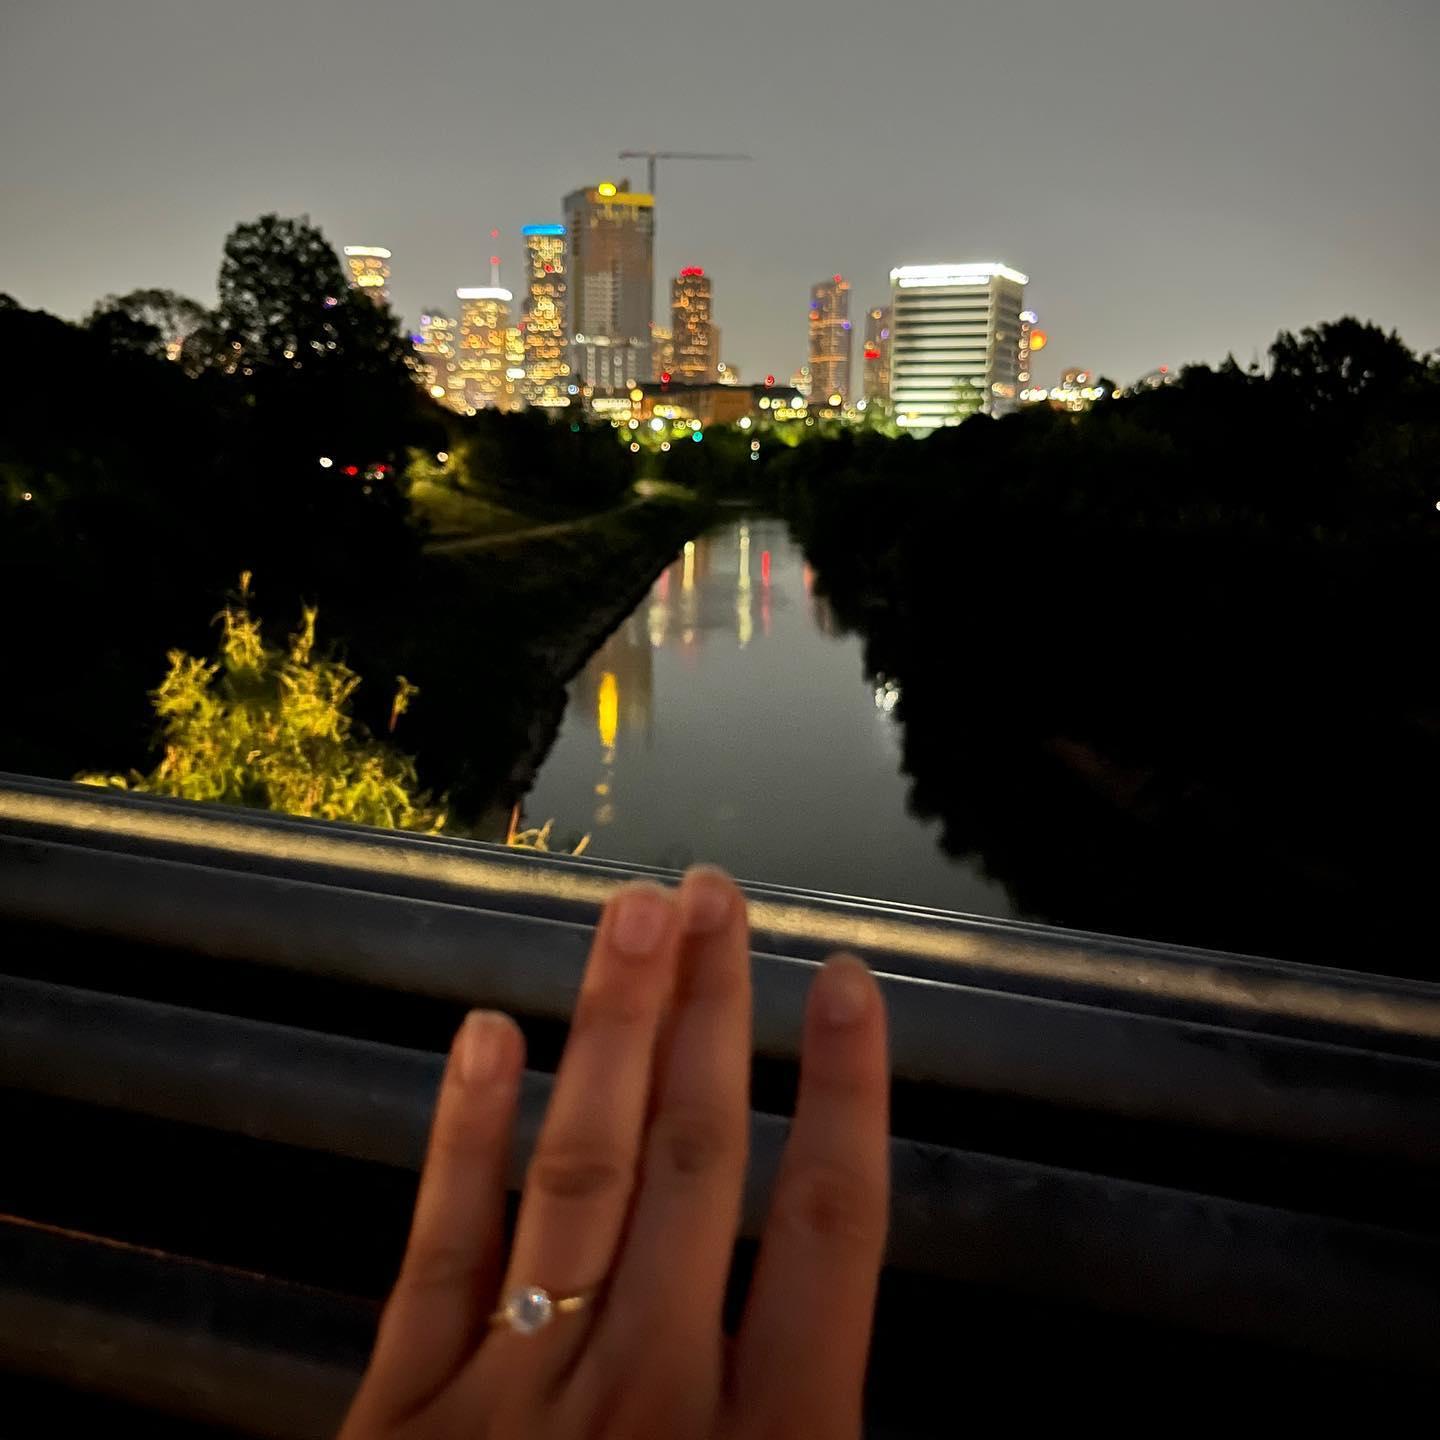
1229	1150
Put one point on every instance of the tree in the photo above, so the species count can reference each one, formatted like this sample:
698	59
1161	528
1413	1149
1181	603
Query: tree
285	304
156	323
272	728
1342	362
323	367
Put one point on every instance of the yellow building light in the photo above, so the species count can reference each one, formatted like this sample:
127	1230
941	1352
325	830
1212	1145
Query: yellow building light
606	189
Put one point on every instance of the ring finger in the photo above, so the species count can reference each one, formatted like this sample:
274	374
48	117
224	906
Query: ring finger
579	1183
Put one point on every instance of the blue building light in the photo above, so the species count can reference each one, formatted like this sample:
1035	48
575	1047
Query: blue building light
542	229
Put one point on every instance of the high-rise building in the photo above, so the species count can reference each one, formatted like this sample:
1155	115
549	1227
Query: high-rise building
368	267
612	280
830	338
546	316
435	350
513	396
692	325
483	353
875	369
955	342
662	350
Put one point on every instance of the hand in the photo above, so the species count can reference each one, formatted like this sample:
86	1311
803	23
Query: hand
631	1203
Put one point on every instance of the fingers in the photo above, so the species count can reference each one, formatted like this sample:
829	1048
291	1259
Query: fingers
579	1184
446	1289
671	1276
800	1357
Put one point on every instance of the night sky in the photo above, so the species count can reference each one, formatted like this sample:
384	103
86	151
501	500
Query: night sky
1178	179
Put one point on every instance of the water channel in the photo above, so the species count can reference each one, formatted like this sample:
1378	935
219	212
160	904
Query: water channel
727	719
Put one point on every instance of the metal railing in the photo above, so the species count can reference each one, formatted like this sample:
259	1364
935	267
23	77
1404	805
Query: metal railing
1208	1143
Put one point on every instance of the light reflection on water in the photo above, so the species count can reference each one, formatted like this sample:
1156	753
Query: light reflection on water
727	720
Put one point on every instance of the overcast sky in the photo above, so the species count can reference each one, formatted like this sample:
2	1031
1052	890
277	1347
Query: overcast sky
1179	178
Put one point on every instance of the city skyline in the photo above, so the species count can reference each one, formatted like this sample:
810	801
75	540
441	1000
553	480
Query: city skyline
1179	184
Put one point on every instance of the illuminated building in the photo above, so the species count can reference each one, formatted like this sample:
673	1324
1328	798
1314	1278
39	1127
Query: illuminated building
546	357
606	364
369	270
484	351
800	382
1032	341
435	349
954	342
830	338
662	350
726	373
875	370
1078	390
691	315
612	281
513	395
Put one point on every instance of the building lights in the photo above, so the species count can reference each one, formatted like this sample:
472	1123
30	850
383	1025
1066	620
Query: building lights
693	351
326	462
830	337
369	269
908	277
959	343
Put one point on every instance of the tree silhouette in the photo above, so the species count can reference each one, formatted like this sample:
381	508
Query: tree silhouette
324	367
1342	362
157	323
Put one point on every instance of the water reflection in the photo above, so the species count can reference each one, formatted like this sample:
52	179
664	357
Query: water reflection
727	719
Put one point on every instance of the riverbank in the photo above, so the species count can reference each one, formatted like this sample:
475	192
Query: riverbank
501	629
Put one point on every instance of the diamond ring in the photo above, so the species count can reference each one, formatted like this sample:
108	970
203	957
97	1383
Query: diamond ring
528	1308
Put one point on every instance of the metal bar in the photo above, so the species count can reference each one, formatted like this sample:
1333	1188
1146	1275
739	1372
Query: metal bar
1330	1287
1109	1061
1243	992
200	1342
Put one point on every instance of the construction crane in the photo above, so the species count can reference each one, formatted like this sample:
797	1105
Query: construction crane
651	156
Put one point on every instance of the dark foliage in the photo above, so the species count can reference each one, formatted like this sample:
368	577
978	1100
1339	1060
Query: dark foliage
135	489
1166	667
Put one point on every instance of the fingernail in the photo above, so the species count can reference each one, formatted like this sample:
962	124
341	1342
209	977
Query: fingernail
482	1045
843	992
639	920
708	898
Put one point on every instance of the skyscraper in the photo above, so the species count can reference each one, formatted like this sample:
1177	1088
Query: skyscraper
955	342
830	339
612	281
435	347
662	350
368	267
875	370
546	316
692	327
482	351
